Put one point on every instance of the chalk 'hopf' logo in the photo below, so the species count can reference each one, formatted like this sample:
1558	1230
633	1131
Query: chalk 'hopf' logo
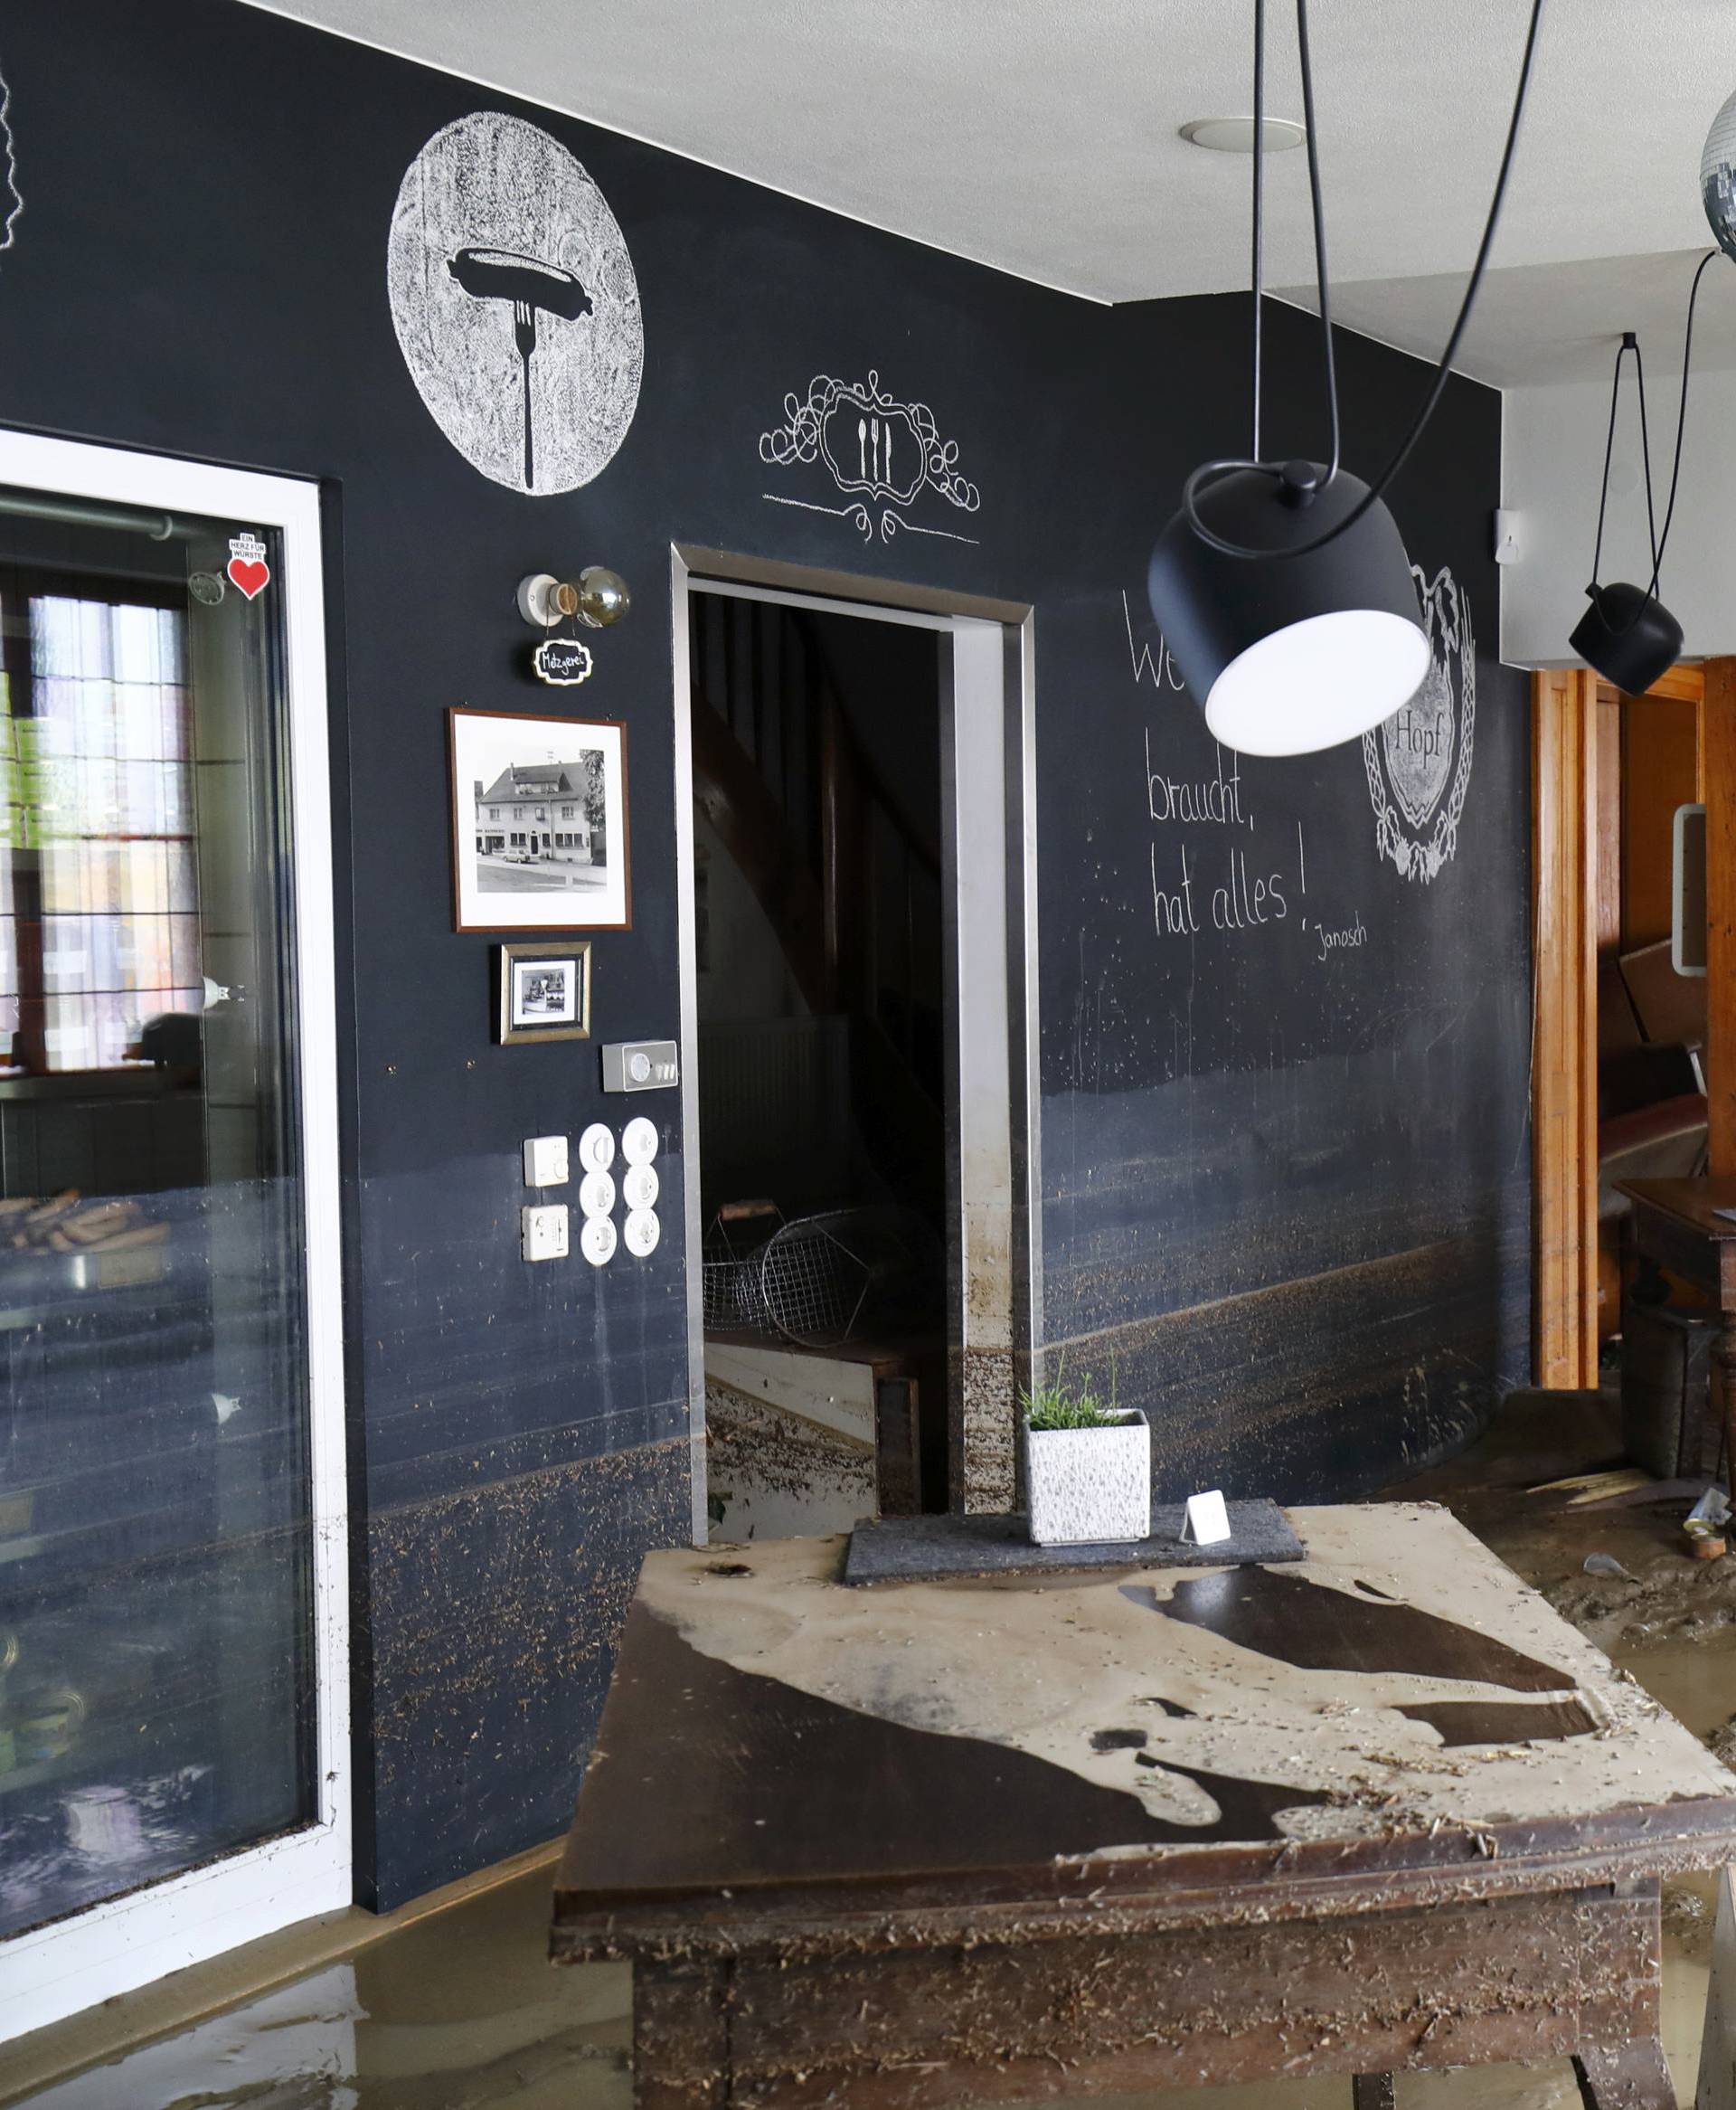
881	454
1418	762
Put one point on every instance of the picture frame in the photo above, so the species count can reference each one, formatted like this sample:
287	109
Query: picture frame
539	814
545	992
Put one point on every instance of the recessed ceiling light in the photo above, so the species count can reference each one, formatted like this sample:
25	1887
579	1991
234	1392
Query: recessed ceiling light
1236	135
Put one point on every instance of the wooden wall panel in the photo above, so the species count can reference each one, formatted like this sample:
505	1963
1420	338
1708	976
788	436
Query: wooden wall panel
1720	745
1564	886
1607	765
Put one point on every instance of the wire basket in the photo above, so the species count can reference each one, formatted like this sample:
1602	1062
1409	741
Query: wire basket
828	1279
728	1292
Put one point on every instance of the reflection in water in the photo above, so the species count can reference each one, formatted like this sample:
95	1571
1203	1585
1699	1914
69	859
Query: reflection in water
458	2011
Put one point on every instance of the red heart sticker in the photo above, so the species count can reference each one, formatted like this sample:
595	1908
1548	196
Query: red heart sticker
249	576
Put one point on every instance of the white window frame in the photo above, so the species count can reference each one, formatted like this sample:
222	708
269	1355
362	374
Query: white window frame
123	1943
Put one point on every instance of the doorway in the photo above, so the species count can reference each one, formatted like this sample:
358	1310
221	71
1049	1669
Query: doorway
174	1717
853	797
1621	1060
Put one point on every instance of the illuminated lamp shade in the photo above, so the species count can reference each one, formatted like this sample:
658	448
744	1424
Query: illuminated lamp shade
1303	653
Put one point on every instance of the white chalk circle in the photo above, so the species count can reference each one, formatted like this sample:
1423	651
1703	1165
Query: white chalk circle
515	304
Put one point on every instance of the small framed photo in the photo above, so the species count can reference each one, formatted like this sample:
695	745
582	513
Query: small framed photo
539	823
544	993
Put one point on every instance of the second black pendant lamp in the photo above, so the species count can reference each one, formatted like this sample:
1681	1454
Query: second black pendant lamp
1282	588
1628	635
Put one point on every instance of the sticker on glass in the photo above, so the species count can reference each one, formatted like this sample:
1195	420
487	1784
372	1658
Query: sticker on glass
247	569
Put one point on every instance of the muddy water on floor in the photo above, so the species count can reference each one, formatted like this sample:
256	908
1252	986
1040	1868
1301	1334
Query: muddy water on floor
461	2011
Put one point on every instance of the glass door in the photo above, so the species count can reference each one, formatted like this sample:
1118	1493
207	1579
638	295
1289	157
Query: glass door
166	1697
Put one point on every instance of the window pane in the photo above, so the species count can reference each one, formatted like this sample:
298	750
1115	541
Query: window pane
154	1539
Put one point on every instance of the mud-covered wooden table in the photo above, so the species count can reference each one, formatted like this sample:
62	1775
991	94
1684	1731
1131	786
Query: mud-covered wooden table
984	1841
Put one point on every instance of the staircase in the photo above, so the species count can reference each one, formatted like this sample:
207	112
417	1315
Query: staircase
849	880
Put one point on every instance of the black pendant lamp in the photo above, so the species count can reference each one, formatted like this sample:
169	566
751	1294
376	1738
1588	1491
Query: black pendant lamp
1282	588
1628	635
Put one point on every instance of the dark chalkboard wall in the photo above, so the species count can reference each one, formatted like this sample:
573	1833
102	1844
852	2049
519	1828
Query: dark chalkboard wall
1285	1193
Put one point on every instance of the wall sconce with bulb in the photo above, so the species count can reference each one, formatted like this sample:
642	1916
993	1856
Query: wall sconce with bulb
597	598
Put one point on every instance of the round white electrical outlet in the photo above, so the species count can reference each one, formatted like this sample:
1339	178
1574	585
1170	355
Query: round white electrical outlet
639	1187
641	1232
597	1194
597	1241
639	1141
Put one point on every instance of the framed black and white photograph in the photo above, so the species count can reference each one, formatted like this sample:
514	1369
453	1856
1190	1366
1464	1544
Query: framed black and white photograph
539	823
544	993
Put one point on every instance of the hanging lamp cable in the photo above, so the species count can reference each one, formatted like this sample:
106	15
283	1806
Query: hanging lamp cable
1257	272
1680	420
1629	343
1210	470
1659	541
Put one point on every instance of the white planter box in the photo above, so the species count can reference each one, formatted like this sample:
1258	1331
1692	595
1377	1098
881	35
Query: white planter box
1089	1486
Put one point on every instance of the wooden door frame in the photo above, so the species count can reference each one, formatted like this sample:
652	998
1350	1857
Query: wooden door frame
1564	954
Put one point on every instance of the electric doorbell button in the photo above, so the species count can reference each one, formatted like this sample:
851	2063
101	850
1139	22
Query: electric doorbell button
597	1194
597	1241
639	1187
641	1232
639	1141
596	1146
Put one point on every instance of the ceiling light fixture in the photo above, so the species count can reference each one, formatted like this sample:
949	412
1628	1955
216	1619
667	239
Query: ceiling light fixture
1628	635
1237	135
1282	588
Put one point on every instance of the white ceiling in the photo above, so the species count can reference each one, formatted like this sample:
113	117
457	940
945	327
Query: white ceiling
1040	137
1552	322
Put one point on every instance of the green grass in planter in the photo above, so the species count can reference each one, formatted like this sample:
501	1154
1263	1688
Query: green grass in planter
1053	1406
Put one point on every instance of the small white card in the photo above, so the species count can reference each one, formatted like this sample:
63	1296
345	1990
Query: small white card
1207	1522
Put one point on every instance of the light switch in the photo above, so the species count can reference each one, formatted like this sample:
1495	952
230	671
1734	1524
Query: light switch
596	1146
545	1161
542	1231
